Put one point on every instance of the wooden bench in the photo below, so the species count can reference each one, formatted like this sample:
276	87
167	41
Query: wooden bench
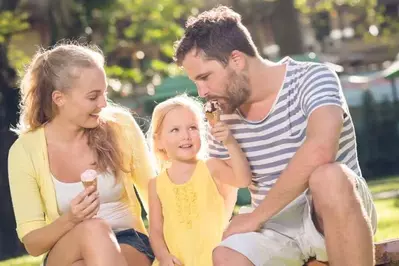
386	254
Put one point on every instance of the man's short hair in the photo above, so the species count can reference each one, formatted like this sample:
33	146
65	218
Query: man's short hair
215	33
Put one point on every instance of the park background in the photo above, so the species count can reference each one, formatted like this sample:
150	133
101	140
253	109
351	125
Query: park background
357	38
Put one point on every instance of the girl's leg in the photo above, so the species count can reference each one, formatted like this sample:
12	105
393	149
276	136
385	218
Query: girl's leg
91	242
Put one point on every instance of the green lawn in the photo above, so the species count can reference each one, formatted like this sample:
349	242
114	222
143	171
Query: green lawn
388	217
384	184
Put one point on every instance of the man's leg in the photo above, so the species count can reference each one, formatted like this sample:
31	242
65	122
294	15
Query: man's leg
266	248
341	216
226	256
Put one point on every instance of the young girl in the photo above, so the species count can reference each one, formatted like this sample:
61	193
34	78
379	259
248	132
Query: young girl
192	199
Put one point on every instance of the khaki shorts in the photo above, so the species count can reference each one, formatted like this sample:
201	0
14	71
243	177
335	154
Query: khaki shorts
290	238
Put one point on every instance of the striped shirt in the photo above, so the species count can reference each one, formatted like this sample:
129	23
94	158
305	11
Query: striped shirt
269	144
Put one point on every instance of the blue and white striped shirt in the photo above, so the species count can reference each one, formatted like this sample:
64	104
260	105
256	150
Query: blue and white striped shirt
269	144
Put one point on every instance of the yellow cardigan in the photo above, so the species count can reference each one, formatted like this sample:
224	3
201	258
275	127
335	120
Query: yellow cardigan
32	190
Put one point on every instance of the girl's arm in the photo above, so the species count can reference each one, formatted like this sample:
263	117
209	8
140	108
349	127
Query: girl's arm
156	223
235	171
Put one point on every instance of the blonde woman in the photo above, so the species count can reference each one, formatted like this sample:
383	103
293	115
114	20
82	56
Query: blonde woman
67	127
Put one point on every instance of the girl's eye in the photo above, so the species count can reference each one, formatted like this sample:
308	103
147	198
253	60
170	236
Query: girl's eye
174	130
193	128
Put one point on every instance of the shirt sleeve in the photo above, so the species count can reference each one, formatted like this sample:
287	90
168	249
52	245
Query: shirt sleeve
143	163
25	192
321	87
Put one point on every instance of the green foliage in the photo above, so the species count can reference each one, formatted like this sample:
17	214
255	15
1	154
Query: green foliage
363	13
311	6
148	28
11	23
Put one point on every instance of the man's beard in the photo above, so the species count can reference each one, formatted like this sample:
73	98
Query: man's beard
237	92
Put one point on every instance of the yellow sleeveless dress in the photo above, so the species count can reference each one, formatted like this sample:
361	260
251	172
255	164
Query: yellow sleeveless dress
194	216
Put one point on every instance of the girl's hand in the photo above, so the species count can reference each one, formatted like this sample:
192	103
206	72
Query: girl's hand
169	260
84	206
221	132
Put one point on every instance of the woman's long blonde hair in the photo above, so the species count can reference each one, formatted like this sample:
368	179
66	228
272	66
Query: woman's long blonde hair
57	69
158	116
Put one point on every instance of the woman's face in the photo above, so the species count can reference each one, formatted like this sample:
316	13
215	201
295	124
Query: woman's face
81	104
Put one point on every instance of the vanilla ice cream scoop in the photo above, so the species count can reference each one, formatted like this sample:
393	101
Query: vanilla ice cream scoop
89	178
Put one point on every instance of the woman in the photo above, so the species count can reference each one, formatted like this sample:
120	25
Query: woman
67	127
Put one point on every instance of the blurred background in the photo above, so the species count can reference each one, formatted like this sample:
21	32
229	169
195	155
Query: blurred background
359	39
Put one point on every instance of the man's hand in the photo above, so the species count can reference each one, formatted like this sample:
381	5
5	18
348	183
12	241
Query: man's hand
242	223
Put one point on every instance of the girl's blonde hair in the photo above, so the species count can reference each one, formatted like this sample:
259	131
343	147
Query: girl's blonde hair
57	69
158	116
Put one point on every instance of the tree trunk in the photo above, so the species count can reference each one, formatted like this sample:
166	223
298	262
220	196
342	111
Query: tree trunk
9	243
286	28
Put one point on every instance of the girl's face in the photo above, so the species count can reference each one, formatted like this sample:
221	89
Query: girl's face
180	135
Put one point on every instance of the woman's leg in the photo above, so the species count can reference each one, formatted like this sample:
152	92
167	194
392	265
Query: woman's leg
91	242
134	257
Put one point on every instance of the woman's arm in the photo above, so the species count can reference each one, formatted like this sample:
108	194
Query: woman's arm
39	241
156	223
83	207
36	235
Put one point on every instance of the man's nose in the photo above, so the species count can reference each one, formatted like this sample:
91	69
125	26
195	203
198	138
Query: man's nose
202	89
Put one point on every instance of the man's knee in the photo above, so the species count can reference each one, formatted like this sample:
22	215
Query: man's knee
220	256
333	185
223	256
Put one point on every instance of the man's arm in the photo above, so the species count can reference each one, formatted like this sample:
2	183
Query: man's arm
319	148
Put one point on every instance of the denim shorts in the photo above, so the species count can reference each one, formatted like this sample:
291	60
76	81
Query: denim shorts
132	238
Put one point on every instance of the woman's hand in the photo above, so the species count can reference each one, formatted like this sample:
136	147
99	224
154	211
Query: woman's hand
222	133
84	206
169	260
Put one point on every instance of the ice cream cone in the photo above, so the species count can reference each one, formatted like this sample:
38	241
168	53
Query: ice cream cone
213	112
89	178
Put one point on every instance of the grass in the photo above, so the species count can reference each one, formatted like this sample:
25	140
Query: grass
384	184
22	261
388	217
387	210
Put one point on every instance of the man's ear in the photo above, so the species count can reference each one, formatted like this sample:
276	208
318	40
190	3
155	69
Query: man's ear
238	60
58	98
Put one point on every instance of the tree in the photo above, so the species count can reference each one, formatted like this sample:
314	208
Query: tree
11	21
281	15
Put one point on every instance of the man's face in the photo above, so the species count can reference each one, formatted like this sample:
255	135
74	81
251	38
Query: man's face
215	81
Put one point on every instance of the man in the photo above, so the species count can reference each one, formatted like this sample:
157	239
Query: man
291	119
